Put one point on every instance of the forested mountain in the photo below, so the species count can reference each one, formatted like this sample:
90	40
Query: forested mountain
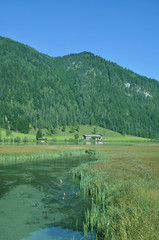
39	91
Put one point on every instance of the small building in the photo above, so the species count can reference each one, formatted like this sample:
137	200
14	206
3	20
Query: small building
41	140
93	137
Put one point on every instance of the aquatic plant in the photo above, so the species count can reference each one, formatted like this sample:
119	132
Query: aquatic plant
23	157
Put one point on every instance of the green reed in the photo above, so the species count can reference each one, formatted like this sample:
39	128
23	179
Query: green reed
122	209
24	157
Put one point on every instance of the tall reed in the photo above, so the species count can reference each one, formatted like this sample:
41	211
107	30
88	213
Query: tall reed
24	157
121	208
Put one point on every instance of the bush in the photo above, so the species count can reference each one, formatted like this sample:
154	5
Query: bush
76	136
25	140
17	139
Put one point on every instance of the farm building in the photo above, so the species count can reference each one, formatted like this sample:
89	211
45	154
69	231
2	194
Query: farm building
92	137
41	140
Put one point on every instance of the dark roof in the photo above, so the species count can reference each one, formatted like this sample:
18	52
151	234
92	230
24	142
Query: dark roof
98	135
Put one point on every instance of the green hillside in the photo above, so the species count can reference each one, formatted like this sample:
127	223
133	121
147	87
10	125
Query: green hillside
108	135
38	91
68	134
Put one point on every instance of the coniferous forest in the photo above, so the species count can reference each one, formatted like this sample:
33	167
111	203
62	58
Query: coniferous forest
38	91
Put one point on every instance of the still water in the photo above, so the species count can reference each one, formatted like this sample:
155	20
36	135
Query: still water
40	201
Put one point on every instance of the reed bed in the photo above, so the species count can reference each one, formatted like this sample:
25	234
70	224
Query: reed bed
24	157
124	190
123	186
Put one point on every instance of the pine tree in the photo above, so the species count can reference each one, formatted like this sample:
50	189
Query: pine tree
39	134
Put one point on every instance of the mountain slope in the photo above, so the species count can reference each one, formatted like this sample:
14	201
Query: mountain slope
41	91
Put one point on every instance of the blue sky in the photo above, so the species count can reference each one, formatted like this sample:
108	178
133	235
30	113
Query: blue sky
123	31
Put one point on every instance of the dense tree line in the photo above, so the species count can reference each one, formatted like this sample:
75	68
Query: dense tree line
43	92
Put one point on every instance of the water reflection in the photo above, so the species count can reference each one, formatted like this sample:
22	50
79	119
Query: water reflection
57	233
58	142
40	198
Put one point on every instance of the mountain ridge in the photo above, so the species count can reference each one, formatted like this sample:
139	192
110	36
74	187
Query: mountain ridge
81	88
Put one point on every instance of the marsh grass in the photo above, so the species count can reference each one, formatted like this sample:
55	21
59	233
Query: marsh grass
124	190
18	153
24	157
123	186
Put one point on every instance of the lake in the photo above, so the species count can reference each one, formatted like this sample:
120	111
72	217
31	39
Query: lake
41	201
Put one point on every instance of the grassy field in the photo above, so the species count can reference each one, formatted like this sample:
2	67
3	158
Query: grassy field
123	185
13	135
10	154
108	135
87	129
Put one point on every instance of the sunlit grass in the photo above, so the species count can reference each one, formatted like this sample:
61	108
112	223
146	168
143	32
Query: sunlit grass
13	135
108	135
124	187
87	129
18	156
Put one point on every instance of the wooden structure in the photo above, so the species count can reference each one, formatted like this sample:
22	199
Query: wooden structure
41	140
93	137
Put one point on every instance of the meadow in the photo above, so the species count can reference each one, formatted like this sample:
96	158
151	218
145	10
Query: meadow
124	186
67	135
